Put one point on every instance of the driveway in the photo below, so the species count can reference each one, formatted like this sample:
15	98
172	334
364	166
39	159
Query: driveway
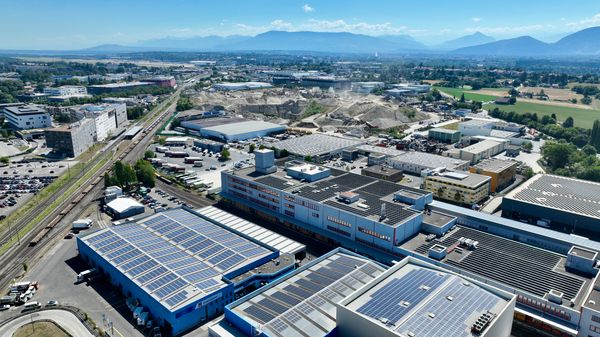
67	320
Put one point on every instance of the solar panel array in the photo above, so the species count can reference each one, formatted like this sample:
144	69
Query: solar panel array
304	303
174	255
452	311
515	264
400	295
577	196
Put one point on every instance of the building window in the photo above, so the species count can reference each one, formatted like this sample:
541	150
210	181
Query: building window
374	234
594	328
595	318
339	231
315	215
339	221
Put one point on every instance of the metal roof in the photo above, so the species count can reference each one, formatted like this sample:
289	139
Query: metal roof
316	144
121	205
244	127
267	237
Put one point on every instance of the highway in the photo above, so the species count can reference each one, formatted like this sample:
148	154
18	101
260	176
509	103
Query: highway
12	262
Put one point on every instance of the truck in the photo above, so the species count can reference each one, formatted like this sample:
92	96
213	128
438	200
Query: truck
142	318
20	287
191	160
86	274
161	149
198	164
82	224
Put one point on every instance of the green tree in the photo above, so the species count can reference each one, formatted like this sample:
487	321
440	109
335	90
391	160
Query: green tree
586	100
568	123
5	160
308	159
595	135
149	154
462	98
557	154
589	150
184	103
120	177
251	148
145	173
435	93
527	146
225	154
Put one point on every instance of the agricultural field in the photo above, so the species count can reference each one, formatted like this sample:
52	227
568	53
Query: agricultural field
583	117
473	95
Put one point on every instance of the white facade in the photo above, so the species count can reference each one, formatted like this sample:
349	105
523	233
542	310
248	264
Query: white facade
27	117
66	91
107	118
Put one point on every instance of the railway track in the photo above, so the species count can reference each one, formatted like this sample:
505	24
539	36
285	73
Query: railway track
12	262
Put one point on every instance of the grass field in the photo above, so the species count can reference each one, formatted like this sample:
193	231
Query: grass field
469	94
40	329
583	117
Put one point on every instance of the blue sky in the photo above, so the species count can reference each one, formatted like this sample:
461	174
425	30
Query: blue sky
67	24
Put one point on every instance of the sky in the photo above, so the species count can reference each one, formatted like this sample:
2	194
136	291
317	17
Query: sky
73	24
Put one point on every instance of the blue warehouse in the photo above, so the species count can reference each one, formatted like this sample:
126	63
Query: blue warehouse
180	267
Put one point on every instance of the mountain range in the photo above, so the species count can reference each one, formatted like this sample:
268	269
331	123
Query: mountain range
584	42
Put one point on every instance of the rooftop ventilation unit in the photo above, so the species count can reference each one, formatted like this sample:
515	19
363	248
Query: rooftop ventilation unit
482	322
555	296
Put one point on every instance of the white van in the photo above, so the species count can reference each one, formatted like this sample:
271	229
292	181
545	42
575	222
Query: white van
32	305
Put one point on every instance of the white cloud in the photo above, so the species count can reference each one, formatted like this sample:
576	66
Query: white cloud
584	23
308	8
475	19
358	27
281	25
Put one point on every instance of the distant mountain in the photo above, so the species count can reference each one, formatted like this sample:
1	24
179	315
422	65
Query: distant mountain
583	42
197	43
474	39
405	42
112	48
316	42
519	46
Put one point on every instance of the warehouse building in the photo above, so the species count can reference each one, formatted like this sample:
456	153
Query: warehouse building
326	82
502	172
237	86
419	163
460	187
476	127
316	146
100	89
73	139
121	208
414	298
565	204
179	267
232	129
444	135
302	303
210	145
479	151
383	172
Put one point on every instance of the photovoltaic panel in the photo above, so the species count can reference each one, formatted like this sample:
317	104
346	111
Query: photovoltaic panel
169	277
177	298
152	274
171	288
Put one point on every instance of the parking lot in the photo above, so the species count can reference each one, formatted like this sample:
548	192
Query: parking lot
211	166
20	181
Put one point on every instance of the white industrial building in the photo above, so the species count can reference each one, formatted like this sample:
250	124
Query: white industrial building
479	151
108	118
121	208
26	117
417	162
237	86
66	91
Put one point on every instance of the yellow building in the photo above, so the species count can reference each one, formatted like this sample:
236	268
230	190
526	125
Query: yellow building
502	172
459	187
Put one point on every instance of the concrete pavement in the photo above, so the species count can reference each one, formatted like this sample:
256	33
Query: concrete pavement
63	318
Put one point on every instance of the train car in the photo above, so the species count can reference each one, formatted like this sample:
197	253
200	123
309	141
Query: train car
53	223
97	180
38	237
89	188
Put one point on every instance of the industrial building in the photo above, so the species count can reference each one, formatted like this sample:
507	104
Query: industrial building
502	172
179	267
418	163
121	208
73	139
25	117
414	298
366	87
302	303
389	222
66	92
317	146
231	129
383	172
210	145
481	150
326	82
565	204
162	81
456	186
100	89
237	86
476	127
444	135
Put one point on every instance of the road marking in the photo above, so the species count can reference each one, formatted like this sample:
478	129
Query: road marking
117	331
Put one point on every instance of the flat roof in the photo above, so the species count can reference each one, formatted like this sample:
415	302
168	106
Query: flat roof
373	193
267	237
316	144
569	195
437	219
212	121
383	170
461	178
442	130
245	127
520	266
175	256
302	303
495	165
388	151
121	205
429	160
23	110
414	300
481	146
119	85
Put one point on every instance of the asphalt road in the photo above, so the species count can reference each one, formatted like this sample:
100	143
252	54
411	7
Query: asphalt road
64	318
